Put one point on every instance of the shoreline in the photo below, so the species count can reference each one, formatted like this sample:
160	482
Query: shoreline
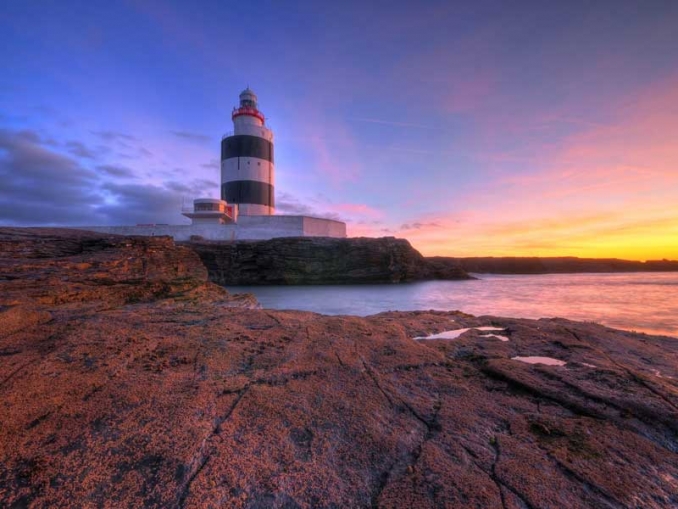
627	301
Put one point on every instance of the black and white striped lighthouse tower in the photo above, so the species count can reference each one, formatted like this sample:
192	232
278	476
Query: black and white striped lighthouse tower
247	173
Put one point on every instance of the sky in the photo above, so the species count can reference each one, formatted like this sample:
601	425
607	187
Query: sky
470	128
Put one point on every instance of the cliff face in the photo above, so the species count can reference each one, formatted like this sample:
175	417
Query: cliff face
319	260
176	400
552	265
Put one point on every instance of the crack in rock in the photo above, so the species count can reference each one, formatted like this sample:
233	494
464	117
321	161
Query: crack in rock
201	458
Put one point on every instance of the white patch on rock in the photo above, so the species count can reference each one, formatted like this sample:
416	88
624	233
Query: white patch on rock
454	334
658	374
500	338
549	361
448	334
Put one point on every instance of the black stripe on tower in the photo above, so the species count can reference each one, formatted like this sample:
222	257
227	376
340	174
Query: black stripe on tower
248	191
244	145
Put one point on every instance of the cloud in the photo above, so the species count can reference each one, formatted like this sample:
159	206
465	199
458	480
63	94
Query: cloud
43	187
40	186
361	210
337	168
419	226
141	204
134	203
78	149
201	138
287	203
212	165
135	153
358	216
114	136
362	220
194	188
331	148
117	171
628	162
390	122
126	146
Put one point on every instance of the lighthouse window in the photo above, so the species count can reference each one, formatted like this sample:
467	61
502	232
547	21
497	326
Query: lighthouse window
205	207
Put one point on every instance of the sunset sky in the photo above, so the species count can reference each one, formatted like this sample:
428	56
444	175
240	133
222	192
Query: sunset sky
522	128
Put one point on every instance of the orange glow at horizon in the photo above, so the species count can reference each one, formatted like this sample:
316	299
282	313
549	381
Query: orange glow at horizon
608	191
631	242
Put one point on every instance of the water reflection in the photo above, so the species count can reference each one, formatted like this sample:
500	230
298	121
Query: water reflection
646	302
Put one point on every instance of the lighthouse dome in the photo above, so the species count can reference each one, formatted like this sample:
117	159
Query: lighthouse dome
248	98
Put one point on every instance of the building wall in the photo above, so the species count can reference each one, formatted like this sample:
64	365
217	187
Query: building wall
207	220
247	228
252	209
317	227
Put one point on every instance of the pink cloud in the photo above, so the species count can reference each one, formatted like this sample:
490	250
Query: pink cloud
327	141
358	209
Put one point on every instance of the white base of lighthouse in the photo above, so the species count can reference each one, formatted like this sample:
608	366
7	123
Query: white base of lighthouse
247	228
254	209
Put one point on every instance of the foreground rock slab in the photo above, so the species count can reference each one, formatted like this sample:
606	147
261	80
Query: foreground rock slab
178	400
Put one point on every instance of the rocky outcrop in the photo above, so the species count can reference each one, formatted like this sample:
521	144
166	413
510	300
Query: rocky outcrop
552	265
177	401
43	269
319	260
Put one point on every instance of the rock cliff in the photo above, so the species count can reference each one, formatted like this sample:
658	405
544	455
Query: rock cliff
165	397
319	260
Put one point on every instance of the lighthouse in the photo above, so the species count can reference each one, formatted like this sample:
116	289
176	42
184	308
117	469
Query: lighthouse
246	209
247	172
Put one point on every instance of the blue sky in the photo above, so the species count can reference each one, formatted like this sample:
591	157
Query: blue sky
485	127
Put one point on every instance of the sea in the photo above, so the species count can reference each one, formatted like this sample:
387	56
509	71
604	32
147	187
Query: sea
640	301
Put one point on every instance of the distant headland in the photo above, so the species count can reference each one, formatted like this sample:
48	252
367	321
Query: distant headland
553	265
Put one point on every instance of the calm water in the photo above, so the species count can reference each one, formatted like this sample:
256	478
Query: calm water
645	302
